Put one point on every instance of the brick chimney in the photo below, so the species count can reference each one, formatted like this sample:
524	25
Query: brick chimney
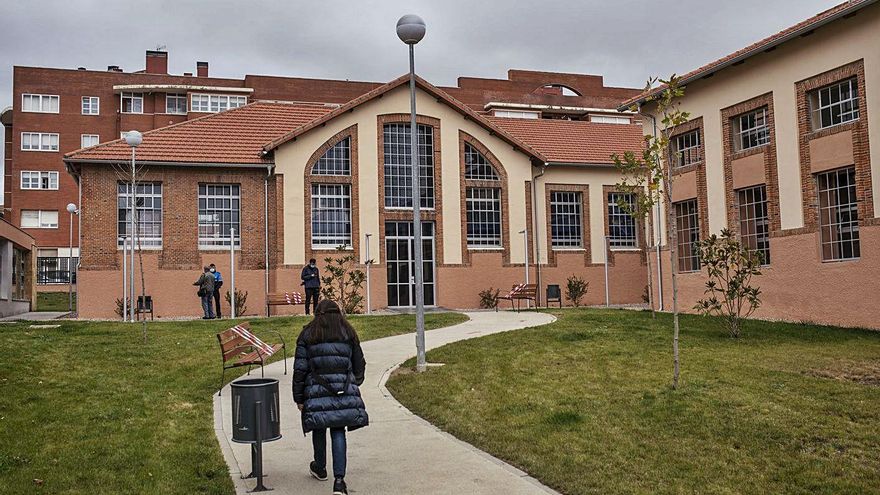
157	62
202	69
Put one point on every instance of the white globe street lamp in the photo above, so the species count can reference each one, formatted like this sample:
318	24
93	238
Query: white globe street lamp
411	30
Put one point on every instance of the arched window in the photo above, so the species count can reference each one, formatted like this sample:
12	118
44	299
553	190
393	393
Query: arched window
476	166
336	161
557	90
482	200
331	208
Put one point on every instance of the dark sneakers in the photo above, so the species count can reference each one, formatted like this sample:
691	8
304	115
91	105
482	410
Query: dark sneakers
339	487
319	474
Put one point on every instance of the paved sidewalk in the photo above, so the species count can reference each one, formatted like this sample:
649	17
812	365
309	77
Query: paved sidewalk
399	453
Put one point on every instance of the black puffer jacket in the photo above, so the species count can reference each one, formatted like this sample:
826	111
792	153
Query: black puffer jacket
325	380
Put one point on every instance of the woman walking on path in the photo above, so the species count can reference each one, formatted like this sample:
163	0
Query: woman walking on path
328	368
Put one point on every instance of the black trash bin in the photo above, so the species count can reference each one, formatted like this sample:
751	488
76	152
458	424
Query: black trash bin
554	294
245	395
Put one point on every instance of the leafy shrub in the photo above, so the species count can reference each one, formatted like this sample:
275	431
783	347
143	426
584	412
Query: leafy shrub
343	283
240	301
120	307
489	298
575	289
730	266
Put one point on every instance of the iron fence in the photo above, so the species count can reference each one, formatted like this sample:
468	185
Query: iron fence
55	270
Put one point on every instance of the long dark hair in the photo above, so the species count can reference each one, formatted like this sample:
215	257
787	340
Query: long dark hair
329	325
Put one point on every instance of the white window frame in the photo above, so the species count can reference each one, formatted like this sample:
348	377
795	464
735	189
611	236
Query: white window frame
176	97
569	205
483	209
44	101
42	223
334	202
398	172
621	221
215	103
33	180
90	105
847	109
123	193
134	97
748	135
687	215
336	161
211	215
754	220
687	149
83	137
838	209
516	114
46	141
610	119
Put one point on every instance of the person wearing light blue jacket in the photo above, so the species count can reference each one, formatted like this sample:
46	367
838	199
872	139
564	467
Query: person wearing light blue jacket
218	282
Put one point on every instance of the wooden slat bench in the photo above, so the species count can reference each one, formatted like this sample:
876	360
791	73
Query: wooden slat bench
283	299
519	293
240	347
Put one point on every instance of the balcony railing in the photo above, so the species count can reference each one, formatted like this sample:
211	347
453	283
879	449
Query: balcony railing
54	270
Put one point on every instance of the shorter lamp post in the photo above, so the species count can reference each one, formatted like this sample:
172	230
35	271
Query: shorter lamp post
525	233
73	210
133	139
368	262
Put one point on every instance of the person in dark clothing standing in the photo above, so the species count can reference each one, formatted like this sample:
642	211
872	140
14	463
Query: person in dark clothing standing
205	283
218	282
327	370
312	281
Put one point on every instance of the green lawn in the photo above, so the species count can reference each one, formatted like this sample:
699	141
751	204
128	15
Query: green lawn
89	408
54	301
585	405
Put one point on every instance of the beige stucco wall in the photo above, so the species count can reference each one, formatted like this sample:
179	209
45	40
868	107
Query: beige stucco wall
595	178
290	160
831	46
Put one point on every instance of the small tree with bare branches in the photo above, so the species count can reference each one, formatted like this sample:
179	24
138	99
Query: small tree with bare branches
648	177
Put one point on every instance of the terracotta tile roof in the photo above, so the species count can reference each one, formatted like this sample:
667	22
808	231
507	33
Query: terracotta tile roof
802	27
577	142
232	137
424	86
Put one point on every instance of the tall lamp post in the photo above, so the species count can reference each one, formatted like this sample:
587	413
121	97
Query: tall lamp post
73	210
411	30
133	139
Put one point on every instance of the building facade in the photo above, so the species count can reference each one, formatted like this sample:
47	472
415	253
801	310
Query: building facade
17	271
297	180
56	111
782	148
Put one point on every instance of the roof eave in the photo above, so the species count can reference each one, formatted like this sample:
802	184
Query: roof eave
552	163
641	100
156	163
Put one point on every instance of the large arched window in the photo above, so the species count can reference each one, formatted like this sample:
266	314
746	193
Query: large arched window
336	161
482	200
331	202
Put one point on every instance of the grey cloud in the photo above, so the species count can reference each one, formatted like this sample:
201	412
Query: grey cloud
624	40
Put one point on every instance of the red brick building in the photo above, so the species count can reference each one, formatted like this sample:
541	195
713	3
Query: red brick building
56	111
296	180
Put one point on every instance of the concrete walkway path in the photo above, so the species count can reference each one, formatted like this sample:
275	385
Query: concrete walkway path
399	453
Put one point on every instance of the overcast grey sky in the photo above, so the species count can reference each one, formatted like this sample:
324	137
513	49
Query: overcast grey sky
623	40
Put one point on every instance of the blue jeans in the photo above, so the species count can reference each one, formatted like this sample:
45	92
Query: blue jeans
337	445
207	305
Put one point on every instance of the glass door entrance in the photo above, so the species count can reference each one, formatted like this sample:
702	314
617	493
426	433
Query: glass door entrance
399	254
